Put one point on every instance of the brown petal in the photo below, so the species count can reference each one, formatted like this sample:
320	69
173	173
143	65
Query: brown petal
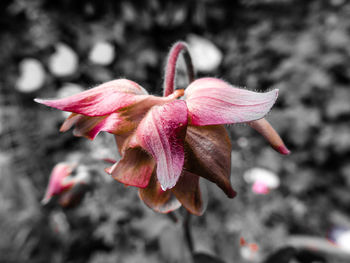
157	199
209	155
265	129
123	141
187	191
70	121
135	168
74	196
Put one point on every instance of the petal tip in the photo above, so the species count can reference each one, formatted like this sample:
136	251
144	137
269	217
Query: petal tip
283	150
37	100
108	170
45	201
165	187
231	193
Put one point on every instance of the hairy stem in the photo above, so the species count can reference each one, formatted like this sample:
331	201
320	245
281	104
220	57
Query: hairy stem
170	70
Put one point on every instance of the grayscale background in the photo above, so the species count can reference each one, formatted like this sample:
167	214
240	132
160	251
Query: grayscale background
56	48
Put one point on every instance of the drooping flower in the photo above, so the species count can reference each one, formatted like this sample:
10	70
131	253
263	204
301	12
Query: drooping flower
65	189
167	142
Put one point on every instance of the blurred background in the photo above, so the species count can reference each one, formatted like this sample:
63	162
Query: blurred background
57	48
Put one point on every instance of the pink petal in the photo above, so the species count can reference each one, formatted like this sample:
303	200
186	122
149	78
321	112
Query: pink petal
187	191
89	127
159	200
102	100
260	188
212	101
134	169
263	127
162	133
56	183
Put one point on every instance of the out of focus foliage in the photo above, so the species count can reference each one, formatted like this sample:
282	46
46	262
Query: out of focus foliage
300	47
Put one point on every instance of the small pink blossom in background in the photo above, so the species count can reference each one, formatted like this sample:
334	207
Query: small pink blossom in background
68	190
58	182
262	180
154	134
260	188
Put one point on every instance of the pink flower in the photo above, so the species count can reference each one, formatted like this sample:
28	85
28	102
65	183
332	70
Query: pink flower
68	191
167	142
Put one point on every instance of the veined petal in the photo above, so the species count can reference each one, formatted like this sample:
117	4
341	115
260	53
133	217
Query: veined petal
102	100
187	191
134	169
265	129
162	133
56	183
157	199
212	101
209	155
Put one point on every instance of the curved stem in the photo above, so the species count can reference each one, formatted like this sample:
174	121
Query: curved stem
317	244
170	70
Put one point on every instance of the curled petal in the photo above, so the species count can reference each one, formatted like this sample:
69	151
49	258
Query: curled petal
134	169
57	184
209	155
212	101
72	119
102	100
157	199
162	133
89	127
264	127
122	142
187	191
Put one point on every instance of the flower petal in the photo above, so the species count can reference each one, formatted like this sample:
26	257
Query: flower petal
187	191
265	129
70	121
157	199
89	127
162	133
74	196
134	169
209	155
212	101
102	100
56	182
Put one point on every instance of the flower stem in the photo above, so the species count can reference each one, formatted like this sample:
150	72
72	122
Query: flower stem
170	70
187	231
